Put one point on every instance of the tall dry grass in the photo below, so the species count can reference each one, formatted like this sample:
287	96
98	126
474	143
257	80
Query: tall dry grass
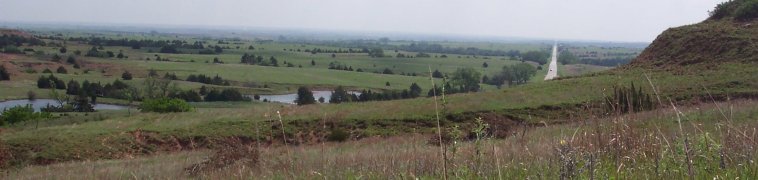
645	145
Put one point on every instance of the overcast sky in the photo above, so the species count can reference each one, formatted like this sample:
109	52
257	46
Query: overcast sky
608	20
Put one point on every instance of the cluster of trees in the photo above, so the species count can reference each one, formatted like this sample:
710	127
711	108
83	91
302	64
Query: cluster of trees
4	75
215	50
23	113
225	95
413	92
340	95
319	50
12	42
114	90
91	90
201	78
259	60
743	10
512	74
251	59
137	44
463	80
164	105
375	52
48	82
466	79
540	57
339	66
95	52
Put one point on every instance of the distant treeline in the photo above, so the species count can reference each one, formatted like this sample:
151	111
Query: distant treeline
10	43
567	57
93	90
437	48
137	44
367	45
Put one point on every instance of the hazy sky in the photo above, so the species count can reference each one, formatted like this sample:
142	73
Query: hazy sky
611	20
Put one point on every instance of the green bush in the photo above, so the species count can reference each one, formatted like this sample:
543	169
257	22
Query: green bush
338	135
164	105
738	9
20	114
747	11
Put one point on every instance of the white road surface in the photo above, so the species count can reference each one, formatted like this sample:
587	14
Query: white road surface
552	71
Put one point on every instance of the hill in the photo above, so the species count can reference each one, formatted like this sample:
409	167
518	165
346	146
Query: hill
730	35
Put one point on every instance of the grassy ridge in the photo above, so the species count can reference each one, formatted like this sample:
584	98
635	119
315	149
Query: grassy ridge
641	145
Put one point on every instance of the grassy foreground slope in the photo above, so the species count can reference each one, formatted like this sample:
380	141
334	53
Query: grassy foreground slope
685	80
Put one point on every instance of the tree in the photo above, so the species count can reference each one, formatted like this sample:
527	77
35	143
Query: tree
81	103
152	73
467	79
61	70
56	58
387	71
273	61
218	49
437	74
304	96
31	95
71	60
415	90
126	75
73	88
339	95
376	52
513	74
4	75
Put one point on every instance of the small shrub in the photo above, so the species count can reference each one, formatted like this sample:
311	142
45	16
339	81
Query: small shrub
338	135
31	95
164	105
62	70
4	75
20	114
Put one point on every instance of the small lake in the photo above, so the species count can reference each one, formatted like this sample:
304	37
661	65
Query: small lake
40	103
290	98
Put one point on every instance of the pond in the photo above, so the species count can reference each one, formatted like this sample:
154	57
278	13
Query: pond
290	98
40	103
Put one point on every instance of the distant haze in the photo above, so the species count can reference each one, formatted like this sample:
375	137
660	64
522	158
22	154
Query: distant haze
607	20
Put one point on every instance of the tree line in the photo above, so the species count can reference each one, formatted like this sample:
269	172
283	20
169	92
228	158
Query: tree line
201	78
259	60
341	95
512	75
